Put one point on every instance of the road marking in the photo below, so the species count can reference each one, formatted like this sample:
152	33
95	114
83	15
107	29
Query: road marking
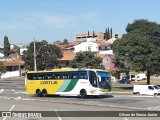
125	119
1	90
9	110
140	96
59	118
12	108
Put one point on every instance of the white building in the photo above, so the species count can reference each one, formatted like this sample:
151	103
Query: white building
22	50
100	47
86	46
1	55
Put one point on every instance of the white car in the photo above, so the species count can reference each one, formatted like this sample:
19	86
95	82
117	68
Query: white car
139	77
146	90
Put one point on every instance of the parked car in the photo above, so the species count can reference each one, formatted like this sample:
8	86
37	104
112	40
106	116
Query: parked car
130	77
141	76
146	89
124	80
158	86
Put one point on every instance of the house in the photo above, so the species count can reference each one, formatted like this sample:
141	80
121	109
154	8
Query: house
86	46
107	62
83	36
1	54
68	47
99	36
14	65
22	49
92	45
67	57
104	47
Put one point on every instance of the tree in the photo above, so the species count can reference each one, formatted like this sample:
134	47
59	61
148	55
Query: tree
139	49
111	33
6	47
47	55
93	34
86	59
88	35
106	34
2	68
65	41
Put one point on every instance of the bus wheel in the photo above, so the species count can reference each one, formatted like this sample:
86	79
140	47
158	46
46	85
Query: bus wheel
38	93
44	93
155	94
138	93
83	93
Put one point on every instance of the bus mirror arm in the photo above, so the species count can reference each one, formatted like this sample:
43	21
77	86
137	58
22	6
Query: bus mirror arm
99	78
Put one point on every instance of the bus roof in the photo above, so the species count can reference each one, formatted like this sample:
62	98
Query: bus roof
52	70
65	69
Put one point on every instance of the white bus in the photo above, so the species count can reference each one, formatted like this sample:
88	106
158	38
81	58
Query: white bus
70	82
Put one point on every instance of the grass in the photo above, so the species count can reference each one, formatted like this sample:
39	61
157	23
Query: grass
122	89
154	81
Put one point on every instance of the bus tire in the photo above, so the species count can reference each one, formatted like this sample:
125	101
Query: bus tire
38	93
155	94
138	93
44	93
83	93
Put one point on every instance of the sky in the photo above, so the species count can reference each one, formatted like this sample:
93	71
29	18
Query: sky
23	20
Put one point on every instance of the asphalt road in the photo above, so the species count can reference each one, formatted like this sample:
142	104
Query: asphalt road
13	98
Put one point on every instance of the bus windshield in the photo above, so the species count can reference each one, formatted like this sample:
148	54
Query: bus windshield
104	81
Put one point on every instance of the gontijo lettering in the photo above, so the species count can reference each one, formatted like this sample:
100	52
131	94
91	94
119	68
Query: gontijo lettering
48	82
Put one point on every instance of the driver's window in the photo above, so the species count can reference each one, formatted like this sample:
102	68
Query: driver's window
150	88
93	78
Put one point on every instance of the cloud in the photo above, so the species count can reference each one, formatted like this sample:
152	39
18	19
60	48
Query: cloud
90	17
56	21
7	26
39	20
13	25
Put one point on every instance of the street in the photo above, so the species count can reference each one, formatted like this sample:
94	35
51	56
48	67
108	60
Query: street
14	98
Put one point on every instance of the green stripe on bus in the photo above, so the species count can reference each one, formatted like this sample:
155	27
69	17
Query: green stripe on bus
71	85
64	85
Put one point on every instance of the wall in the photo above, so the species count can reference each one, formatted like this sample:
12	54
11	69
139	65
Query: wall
86	46
10	74
1	55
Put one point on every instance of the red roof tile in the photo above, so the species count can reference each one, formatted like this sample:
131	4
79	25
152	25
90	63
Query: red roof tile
14	62
103	43
68	55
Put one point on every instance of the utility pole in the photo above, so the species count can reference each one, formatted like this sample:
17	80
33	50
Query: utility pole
36	53
35	62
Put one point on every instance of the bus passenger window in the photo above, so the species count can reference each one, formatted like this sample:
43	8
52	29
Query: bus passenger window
48	76
40	76
64	77
73	75
83	75
57	76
